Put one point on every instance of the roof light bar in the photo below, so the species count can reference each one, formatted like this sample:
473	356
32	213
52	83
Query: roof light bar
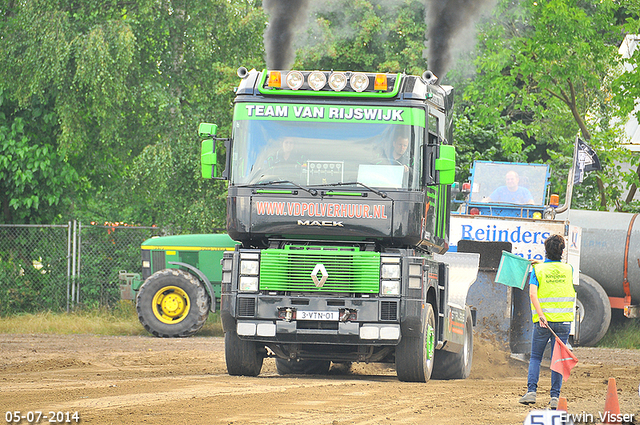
329	83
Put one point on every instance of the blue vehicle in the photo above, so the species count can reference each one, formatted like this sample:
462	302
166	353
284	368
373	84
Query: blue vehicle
508	207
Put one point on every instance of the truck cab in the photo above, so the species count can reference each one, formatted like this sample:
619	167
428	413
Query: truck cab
339	196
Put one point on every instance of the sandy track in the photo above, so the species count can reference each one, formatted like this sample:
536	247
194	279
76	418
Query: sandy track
134	380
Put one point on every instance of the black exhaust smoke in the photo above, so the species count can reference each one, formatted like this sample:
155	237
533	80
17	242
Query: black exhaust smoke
450	27
285	17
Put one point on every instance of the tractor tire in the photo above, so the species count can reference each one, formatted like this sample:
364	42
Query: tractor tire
415	355
243	358
302	367
448	365
594	311
172	303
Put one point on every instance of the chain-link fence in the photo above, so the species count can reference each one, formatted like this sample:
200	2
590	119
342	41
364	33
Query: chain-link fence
57	267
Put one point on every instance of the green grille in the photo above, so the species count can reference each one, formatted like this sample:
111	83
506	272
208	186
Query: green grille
290	269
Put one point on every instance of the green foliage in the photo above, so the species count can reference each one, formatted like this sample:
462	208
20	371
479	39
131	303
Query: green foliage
34	175
626	86
366	35
100	100
539	83
113	80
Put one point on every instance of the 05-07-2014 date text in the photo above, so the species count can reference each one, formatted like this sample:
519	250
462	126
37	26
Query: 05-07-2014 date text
34	417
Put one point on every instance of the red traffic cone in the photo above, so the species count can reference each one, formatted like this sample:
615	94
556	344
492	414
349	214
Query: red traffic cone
611	405
562	404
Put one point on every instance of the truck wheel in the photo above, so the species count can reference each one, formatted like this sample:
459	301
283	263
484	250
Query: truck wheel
595	311
172	303
448	365
302	367
415	355
242	357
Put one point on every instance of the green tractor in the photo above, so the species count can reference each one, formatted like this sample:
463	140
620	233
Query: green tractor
180	283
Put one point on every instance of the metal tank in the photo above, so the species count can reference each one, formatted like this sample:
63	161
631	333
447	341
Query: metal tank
610	250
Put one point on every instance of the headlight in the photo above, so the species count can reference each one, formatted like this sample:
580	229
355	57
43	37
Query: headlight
391	271
390	287
248	284
249	267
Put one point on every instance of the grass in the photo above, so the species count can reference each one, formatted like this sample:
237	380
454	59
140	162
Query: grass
122	319
623	333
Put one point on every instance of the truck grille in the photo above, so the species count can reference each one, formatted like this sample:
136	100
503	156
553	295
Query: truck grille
347	270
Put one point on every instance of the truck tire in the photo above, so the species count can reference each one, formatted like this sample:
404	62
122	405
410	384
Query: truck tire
172	303
242	357
302	367
595	311
415	355
448	365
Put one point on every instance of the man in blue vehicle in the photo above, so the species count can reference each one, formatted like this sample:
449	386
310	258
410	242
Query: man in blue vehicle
512	192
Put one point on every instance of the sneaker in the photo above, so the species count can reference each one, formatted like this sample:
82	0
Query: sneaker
530	398
553	403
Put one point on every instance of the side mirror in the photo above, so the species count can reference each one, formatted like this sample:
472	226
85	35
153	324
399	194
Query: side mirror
208	154
446	164
207	130
208	158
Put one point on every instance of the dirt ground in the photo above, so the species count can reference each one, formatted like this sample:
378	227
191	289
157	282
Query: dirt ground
146	380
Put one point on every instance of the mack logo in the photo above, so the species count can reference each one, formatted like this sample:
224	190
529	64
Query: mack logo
325	223
319	268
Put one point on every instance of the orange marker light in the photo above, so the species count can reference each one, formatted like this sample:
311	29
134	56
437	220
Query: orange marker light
275	79
380	82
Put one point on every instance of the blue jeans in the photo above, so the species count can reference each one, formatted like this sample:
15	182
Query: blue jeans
538	344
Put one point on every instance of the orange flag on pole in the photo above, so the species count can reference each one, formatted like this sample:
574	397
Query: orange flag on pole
563	359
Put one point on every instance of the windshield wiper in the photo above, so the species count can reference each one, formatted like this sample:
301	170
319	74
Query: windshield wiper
313	192
377	192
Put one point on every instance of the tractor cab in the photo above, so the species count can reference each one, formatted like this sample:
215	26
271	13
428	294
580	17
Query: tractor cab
506	190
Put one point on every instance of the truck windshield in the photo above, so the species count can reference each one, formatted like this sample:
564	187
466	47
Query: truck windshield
509	183
380	155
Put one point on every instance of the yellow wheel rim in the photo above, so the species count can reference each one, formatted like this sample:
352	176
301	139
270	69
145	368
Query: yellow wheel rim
171	305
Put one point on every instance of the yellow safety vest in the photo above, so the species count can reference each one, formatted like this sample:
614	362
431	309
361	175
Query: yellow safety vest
555	292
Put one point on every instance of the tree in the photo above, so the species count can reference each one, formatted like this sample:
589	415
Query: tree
626	88
541	80
97	87
365	35
35	178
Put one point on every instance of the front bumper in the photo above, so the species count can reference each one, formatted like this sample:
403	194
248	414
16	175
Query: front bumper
272	318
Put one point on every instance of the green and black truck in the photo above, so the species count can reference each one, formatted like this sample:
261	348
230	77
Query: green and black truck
339	188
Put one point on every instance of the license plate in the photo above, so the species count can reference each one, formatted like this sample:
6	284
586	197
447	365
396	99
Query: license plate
318	315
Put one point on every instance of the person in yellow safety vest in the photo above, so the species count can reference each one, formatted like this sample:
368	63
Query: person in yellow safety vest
552	307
